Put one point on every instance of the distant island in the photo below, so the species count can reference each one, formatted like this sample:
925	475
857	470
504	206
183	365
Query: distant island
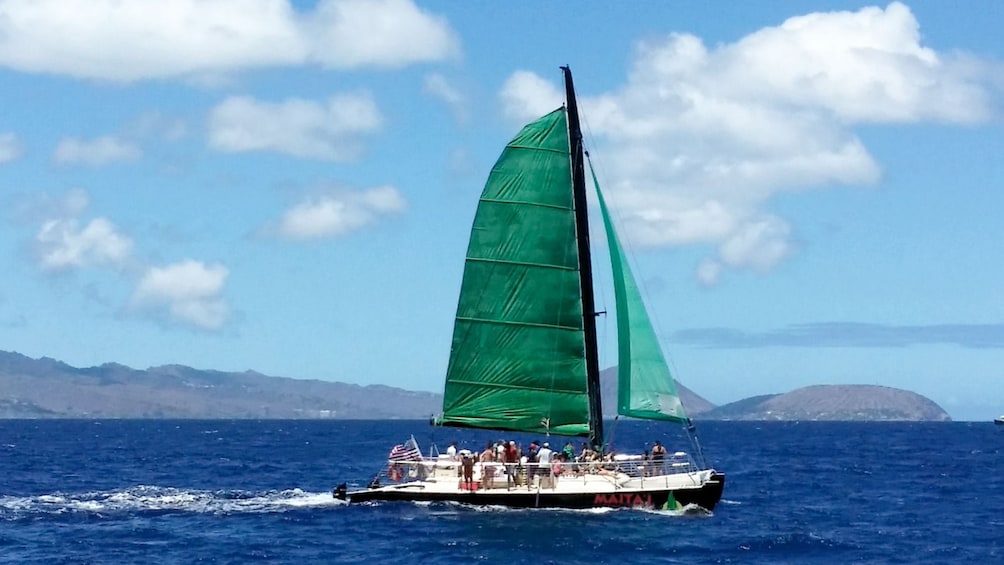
47	388
833	402
817	402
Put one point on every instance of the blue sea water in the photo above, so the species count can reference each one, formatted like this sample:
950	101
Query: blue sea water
172	491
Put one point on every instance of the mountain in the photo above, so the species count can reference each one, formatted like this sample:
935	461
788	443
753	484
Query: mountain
833	402
46	388
693	404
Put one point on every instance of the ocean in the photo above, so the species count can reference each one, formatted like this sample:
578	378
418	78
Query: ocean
180	491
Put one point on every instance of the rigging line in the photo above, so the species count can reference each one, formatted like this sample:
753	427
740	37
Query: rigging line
603	307
598	236
601	288
613	428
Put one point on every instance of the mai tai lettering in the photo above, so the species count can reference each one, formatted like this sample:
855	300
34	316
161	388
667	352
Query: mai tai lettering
623	499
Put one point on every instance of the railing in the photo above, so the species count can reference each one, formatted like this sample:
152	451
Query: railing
494	474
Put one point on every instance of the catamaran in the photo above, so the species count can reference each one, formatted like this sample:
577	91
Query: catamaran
525	358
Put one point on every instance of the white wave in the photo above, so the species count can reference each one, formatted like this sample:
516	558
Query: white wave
500	508
150	498
597	510
688	510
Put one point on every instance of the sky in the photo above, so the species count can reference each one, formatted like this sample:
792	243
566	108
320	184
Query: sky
811	191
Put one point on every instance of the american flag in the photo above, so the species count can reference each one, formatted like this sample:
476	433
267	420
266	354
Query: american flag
407	451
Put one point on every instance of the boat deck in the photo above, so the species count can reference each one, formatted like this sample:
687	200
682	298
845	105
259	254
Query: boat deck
624	482
445	474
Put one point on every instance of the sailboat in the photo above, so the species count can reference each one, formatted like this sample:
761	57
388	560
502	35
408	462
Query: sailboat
524	356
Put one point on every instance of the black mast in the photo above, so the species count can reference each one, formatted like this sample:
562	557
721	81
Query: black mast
585	265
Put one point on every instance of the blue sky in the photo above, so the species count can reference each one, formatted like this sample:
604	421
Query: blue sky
811	190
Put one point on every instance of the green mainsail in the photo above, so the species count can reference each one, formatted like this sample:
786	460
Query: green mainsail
518	355
645	387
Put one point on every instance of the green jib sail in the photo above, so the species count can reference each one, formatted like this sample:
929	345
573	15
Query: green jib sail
518	355
645	387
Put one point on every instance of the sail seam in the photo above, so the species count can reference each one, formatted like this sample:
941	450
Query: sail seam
521	263
531	148
514	387
522	324
525	203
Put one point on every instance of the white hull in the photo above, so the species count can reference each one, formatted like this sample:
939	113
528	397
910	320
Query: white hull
573	486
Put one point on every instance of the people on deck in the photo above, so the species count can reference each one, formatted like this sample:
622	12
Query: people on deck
531	462
467	464
658	458
569	451
538	466
488	466
544	460
511	458
558	465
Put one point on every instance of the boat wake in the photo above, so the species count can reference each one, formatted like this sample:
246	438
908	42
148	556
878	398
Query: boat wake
497	508
162	499
689	510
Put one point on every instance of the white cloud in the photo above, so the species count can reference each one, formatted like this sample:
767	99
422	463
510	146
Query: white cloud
758	244
188	292
129	40
438	87
709	272
297	127
866	66
698	140
34	208
157	126
525	96
63	244
73	203
382	33
335	215
97	151
10	147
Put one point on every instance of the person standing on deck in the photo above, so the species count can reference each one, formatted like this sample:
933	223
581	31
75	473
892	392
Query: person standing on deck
467	464
488	466
658	458
531	460
544	469
511	458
